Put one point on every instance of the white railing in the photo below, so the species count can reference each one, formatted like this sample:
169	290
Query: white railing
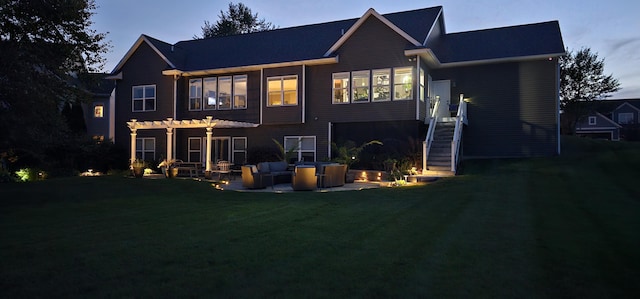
426	145
461	118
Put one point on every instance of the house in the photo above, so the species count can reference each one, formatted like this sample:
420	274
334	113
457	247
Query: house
615	119
598	126
388	77
98	116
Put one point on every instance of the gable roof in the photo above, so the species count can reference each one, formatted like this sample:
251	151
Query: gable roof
628	103
603	117
530	40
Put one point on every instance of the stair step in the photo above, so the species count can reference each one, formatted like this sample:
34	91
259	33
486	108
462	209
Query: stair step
439	163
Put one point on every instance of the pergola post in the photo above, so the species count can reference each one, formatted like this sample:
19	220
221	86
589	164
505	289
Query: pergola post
133	145
208	150
169	144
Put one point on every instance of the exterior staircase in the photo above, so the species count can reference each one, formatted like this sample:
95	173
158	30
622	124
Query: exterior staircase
439	162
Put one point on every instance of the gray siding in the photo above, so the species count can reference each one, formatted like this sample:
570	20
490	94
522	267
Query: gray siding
284	114
144	67
625	108
513	107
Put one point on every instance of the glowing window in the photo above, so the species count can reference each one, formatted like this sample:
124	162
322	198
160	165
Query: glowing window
195	94
360	86
282	91
403	83
341	88
98	111
381	85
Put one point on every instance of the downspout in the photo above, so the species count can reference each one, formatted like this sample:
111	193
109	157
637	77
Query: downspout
175	109
304	98
261	92
112	113
417	87
330	125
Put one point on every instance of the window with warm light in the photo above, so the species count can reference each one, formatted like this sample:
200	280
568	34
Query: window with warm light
143	98
381	85
98	110
282	91
341	88
195	94
360	86
403	83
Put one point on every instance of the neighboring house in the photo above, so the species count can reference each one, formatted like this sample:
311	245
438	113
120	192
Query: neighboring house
373	77
98	115
598	126
626	113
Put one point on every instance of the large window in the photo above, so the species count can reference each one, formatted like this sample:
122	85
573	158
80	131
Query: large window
304	147
360	86
195	94
239	150
210	93
381	85
625	118
240	92
403	83
143	98
341	88
146	148
224	93
195	149
282	91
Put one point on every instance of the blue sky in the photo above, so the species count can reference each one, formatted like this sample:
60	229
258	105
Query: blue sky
610	28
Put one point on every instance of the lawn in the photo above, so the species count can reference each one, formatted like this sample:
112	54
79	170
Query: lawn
565	226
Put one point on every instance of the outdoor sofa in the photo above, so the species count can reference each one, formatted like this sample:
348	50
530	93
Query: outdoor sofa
277	170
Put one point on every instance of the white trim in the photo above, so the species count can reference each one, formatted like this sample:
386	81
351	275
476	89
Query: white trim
233	149
112	114
347	88
367	14
608	120
139	41
262	103
632	120
610	132
144	98
282	90
627	103
433	60
594	128
418	85
329	127
199	151
593	120
208	122
373	85
436	23
255	67
303	97
353	88
299	151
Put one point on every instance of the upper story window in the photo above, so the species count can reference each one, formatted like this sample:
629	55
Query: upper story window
381	85
403	83
360	86
98	111
224	92
240	92
341	88
282	91
210	87
592	120
195	94
143	98
625	118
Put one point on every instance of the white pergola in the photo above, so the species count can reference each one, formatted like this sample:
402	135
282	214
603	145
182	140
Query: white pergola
169	124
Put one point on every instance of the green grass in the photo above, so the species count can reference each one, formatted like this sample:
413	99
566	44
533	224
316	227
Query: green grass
565	226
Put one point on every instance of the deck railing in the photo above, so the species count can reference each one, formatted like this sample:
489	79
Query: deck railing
426	145
461	119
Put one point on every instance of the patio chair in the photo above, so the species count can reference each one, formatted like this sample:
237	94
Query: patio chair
304	178
224	168
251	178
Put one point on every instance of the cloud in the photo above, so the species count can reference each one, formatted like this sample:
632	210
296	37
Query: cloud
624	45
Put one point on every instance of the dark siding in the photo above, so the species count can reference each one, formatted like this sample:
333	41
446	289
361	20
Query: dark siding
513	108
625	109
144	67
284	114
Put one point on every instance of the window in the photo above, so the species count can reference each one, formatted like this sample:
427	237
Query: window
209	87
224	93
98	111
282	91
381	85
195	149
360	86
592	120
195	94
421	82
341	88
146	148
239	150
403	83
625	118
240	92
304	146
144	98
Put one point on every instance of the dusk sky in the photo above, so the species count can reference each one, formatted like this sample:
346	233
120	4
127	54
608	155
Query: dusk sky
610	28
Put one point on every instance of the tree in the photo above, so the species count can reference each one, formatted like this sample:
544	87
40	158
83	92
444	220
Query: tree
582	81
46	47
238	20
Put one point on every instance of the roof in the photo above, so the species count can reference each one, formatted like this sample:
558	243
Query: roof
317	44
498	43
601	116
